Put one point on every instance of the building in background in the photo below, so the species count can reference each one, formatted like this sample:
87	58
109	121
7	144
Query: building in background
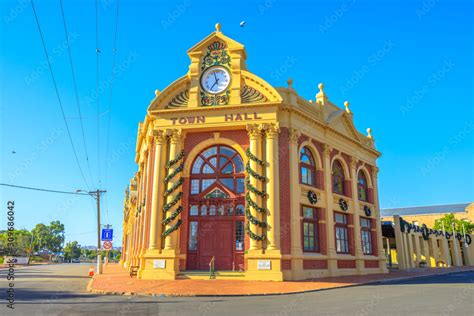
410	244
429	214
239	176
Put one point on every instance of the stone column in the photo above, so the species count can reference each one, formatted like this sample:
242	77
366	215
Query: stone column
254	134
407	251
146	208
378	225
140	194
296	249
272	187
426	251
356	220
157	194
410	248
176	137
331	240
445	256
457	260
400	242
417	249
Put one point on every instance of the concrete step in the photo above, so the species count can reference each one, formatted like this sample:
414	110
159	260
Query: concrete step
205	275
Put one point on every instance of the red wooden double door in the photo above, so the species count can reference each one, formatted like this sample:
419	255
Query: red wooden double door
216	210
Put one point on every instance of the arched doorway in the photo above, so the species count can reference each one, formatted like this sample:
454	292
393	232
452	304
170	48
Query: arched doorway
216	210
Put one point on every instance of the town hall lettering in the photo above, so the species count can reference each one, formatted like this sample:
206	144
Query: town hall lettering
227	118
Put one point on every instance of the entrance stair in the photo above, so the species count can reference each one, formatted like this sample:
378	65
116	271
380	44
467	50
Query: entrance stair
206	275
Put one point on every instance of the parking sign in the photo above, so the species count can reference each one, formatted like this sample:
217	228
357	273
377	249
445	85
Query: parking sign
107	234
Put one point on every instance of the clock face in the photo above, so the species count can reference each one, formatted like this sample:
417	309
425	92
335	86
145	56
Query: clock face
215	80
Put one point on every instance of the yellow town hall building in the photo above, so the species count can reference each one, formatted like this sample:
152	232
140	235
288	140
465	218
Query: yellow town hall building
251	180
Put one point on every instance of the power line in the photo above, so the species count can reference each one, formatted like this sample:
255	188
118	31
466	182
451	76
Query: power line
97	51
110	104
41	189
57	94
75	89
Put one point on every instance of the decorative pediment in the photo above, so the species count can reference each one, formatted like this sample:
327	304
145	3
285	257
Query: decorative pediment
217	76
342	122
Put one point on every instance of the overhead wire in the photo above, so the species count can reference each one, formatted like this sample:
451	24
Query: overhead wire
75	90
114	52
57	94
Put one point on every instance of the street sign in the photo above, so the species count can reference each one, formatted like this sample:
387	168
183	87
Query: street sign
107	234
107	245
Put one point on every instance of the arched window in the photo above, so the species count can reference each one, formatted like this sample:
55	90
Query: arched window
219	164
307	167
337	178
362	191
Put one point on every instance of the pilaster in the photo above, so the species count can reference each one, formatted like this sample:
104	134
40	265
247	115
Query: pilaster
331	241
272	188
360	266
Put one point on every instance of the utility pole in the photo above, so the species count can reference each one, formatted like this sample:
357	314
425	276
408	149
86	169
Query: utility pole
99	252
96	195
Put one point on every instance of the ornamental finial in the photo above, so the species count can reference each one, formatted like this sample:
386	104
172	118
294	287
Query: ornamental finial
157	92
369	133
321	97
218	27
346	104
290	83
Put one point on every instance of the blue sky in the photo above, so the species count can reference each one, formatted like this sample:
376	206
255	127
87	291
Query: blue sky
405	66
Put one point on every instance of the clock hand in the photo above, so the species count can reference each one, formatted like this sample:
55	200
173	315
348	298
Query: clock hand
217	80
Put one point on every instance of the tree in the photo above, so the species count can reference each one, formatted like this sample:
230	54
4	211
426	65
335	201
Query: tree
22	242
40	233
72	250
448	220
56	236
49	237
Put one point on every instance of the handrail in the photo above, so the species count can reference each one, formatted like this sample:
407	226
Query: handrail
212	275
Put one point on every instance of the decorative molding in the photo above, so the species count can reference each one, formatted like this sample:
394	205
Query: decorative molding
179	101
327	149
254	131
293	135
272	130
160	136
251	95
176	135
354	162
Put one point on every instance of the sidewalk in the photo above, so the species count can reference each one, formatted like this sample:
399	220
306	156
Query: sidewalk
116	280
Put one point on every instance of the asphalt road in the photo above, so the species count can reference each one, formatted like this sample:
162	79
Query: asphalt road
60	290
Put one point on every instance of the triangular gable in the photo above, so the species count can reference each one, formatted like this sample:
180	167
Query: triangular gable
341	122
216	186
202	45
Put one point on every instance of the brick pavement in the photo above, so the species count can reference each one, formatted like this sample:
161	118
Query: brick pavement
116	280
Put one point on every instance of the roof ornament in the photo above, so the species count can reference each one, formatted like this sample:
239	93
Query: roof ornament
157	93
218	27
369	133
321	97
290	83
346	104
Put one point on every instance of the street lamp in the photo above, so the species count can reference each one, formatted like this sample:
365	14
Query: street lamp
96	195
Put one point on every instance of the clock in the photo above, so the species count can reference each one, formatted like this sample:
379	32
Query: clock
215	80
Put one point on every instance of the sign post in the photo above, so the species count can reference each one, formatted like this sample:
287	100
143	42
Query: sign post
107	237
